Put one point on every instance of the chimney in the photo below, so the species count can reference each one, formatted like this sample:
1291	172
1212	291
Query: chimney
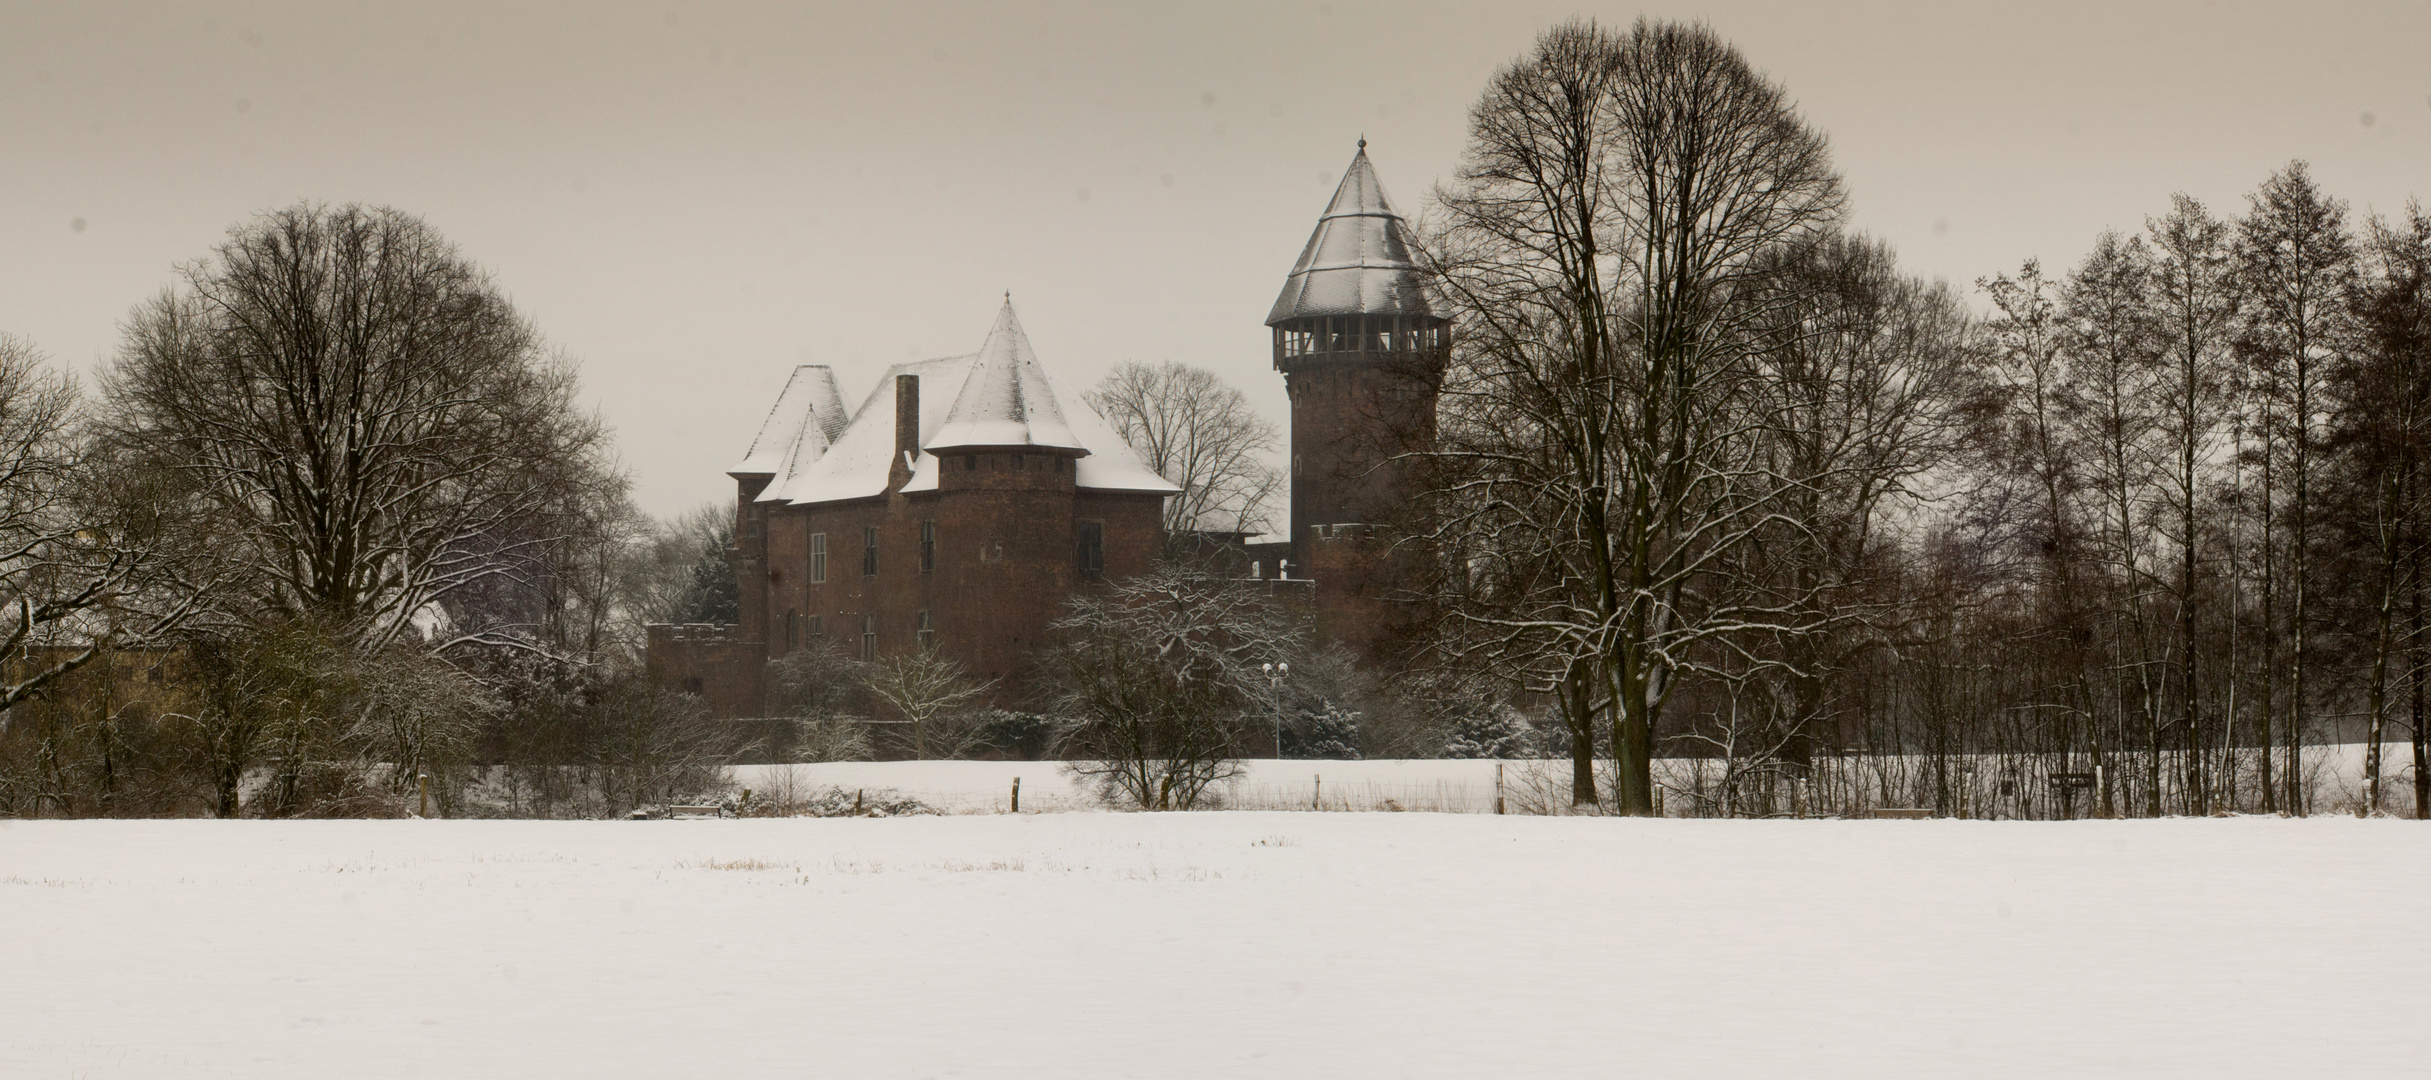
907	430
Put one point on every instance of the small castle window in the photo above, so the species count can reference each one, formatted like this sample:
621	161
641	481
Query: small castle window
818	558
1092	548
869	551
869	637
927	633
793	629
928	547
1017	461
813	627
970	462
692	686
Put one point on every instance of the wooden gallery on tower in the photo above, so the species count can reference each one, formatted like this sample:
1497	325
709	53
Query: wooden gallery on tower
968	498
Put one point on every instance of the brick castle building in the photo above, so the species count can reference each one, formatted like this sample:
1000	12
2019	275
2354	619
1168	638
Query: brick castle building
967	498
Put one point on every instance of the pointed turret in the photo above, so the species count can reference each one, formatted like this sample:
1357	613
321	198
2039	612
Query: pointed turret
1359	346
1007	399
1357	262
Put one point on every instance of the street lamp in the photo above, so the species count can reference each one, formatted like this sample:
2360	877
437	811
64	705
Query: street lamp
1274	700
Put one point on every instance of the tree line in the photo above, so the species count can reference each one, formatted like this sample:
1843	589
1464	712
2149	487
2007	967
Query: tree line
1719	483
331	529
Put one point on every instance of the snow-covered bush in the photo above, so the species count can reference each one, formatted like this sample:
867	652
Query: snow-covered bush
1322	730
1492	730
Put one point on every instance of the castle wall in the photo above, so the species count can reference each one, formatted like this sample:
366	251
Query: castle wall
719	663
1006	560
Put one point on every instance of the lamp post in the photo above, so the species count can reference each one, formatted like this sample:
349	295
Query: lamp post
1275	674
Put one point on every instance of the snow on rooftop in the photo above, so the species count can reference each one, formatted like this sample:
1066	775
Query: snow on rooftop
856	464
809	413
1358	261
999	396
1006	399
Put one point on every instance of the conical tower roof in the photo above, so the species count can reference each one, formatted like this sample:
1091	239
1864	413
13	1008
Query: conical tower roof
1358	261
1007	400
808	415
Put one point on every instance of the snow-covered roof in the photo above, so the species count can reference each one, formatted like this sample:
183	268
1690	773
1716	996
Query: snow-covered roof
856	464
809	413
1358	261
999	396
1005	401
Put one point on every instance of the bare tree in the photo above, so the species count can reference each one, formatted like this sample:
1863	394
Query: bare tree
1197	431
2381	434
826	695
2113	401
1601	252
1156	681
929	691
2296	264
369	419
82	564
2193	299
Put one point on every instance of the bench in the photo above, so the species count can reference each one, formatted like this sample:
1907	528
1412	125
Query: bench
1903	812
688	813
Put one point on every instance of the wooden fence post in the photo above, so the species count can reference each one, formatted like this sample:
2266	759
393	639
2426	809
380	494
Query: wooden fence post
1017	794
1498	787
1316	793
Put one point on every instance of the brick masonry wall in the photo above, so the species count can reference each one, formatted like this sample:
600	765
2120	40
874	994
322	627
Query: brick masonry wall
1006	561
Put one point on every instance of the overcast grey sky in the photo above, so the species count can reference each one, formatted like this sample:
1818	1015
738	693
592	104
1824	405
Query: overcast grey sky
691	198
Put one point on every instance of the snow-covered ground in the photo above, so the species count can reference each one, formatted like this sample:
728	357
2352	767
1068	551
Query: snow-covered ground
1444	785
1214	945
1447	785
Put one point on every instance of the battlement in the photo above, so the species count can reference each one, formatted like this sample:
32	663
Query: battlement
718	633
1350	531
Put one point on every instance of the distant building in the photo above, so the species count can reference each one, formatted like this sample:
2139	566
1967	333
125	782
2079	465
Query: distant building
956	509
967	498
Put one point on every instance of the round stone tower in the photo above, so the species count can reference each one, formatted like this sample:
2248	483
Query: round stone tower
1361	352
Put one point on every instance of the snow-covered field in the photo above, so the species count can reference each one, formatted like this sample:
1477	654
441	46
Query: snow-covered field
1447	785
1214	945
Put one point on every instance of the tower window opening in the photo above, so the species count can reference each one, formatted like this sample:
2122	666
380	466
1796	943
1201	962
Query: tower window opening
869	551
869	637
818	558
813	627
1017	461
927	633
970	463
793	629
928	547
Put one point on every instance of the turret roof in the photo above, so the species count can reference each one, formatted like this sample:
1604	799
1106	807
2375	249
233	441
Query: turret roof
1358	261
809	414
1006	399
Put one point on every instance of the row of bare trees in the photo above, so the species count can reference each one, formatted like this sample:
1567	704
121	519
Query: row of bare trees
1719	482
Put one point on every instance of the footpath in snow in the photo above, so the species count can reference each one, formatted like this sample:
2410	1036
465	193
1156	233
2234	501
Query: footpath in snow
1214	945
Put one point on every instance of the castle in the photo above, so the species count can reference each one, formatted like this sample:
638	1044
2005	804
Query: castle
967	498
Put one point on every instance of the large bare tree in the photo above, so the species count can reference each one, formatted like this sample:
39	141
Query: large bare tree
374	425
1601	252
